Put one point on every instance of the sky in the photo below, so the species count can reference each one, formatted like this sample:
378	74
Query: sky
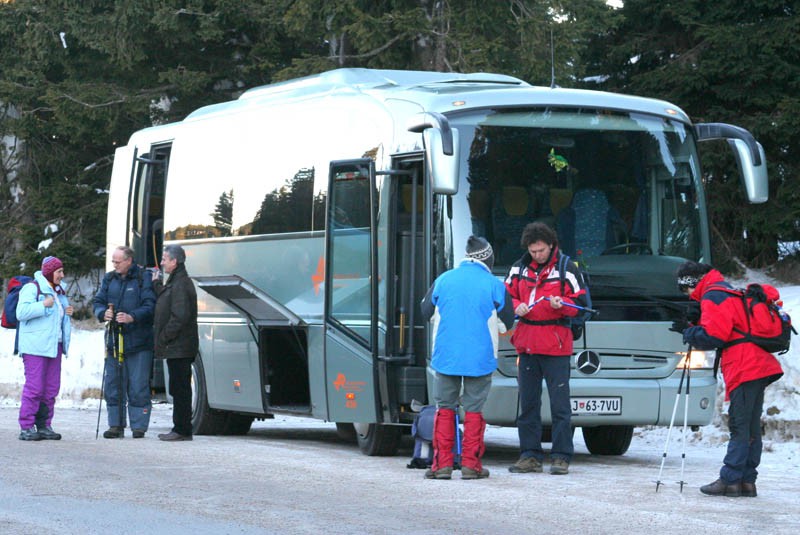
82	371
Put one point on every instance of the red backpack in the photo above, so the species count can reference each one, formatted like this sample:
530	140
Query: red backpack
768	326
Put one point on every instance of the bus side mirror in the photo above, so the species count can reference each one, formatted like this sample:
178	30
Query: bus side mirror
749	156
443	167
754	177
441	150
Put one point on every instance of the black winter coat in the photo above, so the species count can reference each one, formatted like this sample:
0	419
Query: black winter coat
176	317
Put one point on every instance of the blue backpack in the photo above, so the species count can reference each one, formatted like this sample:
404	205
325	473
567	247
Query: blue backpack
422	432
9	316
15	284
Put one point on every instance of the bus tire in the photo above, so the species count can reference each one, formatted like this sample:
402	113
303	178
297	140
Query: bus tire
346	431
237	424
205	420
377	439
608	439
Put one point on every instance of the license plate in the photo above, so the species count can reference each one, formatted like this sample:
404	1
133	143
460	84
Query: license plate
596	405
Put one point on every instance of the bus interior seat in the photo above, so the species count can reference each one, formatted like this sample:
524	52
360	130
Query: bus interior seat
587	224
405	196
478	200
513	209
559	199
556	199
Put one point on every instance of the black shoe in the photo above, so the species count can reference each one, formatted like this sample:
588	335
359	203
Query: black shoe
47	433
720	488
749	489
29	434
114	432
172	436
137	433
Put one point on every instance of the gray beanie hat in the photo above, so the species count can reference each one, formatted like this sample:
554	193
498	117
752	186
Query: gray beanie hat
480	249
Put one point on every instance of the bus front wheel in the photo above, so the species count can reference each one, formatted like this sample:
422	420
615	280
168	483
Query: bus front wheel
377	439
205	420
608	439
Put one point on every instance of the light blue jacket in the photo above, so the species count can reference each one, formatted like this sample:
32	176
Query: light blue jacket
466	303
40	326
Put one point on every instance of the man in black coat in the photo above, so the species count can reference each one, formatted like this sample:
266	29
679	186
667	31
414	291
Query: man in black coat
176	337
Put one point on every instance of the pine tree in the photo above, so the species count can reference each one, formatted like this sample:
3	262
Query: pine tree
728	61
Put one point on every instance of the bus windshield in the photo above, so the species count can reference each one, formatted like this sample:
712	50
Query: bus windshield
622	190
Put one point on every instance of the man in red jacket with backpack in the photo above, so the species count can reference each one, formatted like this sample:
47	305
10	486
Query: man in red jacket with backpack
543	340
746	368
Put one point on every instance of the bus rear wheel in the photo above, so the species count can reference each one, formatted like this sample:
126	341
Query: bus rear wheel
377	439
608	439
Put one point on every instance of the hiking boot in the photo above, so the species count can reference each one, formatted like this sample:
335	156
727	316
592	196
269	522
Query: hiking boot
445	472
525	465
720	488
559	467
172	436
29	434
137	433
114	432
749	489
469	473
47	433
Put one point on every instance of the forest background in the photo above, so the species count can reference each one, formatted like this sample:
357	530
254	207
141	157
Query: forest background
77	78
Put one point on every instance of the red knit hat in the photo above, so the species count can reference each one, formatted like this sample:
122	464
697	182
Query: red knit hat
49	266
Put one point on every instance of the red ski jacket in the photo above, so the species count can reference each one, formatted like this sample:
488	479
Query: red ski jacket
720	312
528	281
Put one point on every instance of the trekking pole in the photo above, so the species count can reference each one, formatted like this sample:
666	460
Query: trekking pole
121	375
671	422
457	459
116	344
688	369
102	384
584	309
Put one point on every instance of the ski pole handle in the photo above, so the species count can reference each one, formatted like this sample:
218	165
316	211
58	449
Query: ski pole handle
587	309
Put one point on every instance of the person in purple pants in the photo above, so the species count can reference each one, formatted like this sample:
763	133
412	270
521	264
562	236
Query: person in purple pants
43	315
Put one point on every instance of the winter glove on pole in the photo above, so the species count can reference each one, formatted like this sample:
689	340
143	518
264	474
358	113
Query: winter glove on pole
680	325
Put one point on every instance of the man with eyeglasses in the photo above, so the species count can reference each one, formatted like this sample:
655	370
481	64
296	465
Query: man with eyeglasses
126	301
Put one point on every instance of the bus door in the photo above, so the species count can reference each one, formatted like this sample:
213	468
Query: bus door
146	210
408	217
352	381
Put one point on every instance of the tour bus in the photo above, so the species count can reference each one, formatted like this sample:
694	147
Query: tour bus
315	213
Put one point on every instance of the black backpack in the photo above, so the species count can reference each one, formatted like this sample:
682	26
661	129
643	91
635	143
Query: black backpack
576	323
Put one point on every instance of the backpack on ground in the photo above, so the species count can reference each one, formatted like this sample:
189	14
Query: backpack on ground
575	323
422	433
768	325
15	284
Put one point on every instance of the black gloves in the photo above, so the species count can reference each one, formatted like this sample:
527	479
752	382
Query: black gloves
680	325
693	313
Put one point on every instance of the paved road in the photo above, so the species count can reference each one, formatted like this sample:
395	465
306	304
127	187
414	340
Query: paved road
296	476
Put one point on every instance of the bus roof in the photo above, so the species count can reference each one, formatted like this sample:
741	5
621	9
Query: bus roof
437	91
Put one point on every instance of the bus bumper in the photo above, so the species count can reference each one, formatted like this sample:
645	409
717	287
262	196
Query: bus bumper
643	401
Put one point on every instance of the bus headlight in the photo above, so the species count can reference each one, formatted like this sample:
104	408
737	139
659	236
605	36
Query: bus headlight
698	359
